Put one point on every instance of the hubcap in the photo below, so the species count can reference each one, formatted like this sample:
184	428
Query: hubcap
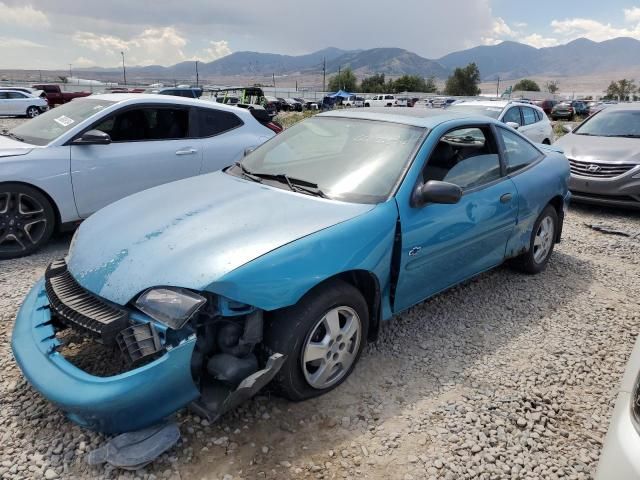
543	240
34	112
23	222
331	347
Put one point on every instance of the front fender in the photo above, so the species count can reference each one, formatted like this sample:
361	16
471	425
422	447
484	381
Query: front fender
281	277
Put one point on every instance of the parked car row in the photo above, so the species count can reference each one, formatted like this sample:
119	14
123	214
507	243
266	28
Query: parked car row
277	269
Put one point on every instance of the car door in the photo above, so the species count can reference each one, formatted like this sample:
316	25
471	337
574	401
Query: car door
151	145
223	138
5	104
443	244
531	127
17	103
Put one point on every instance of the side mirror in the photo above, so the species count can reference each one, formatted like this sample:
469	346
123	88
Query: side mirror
435	191
93	137
567	128
513	125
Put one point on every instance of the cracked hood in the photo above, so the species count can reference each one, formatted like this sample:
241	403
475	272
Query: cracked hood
192	232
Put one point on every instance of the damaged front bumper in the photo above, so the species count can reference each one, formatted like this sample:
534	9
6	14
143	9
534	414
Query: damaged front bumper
128	401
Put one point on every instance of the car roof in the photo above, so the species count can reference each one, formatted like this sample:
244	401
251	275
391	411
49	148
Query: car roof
418	117
133	98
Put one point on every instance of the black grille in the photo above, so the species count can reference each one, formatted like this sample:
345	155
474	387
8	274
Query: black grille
599	170
80	309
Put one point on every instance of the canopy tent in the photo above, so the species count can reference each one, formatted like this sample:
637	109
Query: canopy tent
341	94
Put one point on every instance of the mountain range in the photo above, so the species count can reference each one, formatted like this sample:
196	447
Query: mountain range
507	60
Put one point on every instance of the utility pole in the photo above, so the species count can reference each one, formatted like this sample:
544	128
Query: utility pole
70	71
324	73
273	75
498	88
339	77
124	71
197	76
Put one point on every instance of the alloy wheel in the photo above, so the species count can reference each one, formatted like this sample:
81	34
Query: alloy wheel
23	222
543	240
33	112
331	348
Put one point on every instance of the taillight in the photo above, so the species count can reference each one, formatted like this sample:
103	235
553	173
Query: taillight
276	127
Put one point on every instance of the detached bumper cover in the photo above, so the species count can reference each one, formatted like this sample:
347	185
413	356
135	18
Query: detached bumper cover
125	402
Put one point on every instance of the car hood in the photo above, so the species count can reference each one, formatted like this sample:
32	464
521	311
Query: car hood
600	149
10	147
192	232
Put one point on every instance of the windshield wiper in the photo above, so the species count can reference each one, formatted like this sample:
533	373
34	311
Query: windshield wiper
7	133
294	184
629	135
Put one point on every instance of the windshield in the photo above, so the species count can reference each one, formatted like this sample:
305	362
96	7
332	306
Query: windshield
353	160
470	109
612	123
45	128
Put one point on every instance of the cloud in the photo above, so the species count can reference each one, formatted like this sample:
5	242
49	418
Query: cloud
83	62
573	28
538	41
26	16
99	43
215	50
632	14
8	42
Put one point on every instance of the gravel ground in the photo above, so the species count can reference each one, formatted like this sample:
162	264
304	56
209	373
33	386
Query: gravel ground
505	377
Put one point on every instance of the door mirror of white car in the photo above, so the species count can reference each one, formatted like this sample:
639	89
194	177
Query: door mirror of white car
248	150
93	137
567	128
435	191
513	125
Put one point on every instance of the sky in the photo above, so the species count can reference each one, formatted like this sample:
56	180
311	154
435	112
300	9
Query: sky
45	34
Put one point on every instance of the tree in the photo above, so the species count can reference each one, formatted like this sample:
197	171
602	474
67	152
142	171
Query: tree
552	86
622	89
464	81
373	84
414	83
526	85
430	85
345	80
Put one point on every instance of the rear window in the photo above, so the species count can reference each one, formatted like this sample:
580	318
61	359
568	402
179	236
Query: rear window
214	122
529	115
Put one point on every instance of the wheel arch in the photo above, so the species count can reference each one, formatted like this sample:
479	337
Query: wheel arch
54	205
557	203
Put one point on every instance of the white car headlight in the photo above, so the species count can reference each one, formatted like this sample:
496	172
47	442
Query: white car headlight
170	306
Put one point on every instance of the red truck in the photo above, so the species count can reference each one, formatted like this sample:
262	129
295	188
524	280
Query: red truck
55	95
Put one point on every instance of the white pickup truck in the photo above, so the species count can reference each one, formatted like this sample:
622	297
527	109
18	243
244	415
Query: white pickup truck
382	100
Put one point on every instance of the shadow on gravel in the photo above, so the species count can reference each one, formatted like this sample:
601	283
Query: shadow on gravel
421	355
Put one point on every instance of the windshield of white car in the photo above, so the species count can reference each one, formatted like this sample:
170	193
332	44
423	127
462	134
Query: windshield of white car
612	123
470	109
45	128
352	160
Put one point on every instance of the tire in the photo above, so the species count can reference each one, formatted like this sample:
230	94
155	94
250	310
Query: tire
546	141
535	261
303	328
27	220
33	111
367	104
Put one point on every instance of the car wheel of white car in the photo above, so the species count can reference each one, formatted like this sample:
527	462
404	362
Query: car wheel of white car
27	220
543	239
33	112
322	336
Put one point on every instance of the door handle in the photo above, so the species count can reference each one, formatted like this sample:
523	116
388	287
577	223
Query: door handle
187	151
506	198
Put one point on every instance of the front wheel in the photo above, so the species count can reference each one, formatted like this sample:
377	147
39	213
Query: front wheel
27	220
322	336
543	239
33	112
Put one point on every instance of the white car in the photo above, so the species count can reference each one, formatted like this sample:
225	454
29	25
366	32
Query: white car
353	101
69	162
529	120
382	100
620	457
19	103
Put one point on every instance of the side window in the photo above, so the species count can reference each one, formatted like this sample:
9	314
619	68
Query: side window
16	95
214	122
518	152
529	115
467	157
389	97
3	95
142	124
512	115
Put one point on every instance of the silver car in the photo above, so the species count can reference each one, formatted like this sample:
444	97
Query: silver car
604	153
620	458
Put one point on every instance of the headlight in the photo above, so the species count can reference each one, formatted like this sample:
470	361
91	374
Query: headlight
170	306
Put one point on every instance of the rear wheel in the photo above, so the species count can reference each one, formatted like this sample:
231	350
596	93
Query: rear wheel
27	220
322	336
33	112
543	239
